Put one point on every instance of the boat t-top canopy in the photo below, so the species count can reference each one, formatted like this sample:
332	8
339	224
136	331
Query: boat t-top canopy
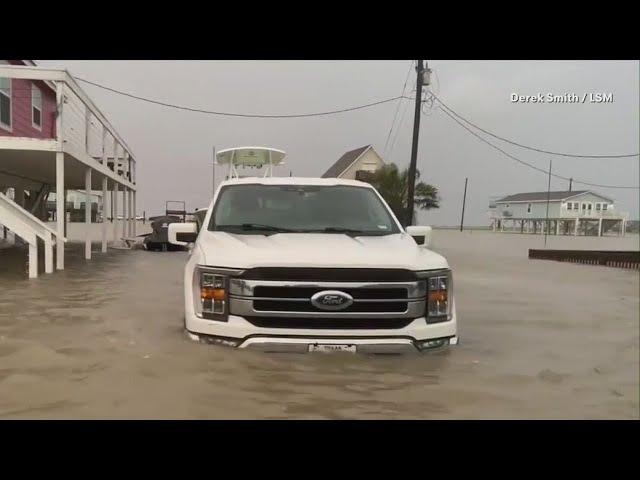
252	157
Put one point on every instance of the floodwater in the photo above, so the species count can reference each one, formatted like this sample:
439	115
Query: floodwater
538	339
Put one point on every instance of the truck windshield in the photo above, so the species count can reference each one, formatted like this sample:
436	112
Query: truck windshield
267	209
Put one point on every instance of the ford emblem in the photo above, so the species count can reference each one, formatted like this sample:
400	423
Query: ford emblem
331	300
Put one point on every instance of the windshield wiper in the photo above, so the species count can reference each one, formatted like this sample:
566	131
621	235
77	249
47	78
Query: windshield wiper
255	226
353	232
340	230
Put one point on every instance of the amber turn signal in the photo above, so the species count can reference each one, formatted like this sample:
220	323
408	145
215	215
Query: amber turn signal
208	293
438	296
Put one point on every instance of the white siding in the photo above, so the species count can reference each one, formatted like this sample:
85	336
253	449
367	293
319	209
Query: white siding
538	210
370	161
557	209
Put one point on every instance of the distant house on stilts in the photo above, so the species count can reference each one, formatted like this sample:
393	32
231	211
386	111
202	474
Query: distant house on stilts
581	212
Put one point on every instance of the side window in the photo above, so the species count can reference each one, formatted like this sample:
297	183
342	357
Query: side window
5	103
36	107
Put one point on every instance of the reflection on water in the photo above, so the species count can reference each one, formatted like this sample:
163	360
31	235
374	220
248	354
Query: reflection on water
103	339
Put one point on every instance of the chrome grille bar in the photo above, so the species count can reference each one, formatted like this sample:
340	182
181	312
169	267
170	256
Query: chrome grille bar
244	308
245	288
241	299
301	299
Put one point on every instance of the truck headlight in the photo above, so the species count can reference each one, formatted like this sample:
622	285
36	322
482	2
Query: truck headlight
213	296
439	296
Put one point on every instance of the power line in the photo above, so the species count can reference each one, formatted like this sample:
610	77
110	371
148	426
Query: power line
400	123
230	114
546	172
384	152
525	146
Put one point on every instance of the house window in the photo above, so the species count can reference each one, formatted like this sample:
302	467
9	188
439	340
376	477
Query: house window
597	206
529	208
36	107
575	205
5	103
570	206
604	206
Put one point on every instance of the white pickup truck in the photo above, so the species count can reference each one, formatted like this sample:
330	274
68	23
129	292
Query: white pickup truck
313	264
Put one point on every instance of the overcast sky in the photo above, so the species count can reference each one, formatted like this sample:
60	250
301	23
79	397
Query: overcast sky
174	148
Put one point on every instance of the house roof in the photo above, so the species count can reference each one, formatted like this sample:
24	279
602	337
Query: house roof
542	196
344	162
32	63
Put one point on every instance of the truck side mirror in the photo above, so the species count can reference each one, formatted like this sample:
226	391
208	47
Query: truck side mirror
421	235
182	233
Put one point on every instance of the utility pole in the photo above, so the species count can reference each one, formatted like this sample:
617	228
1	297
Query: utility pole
414	145
546	231
464	200
570	182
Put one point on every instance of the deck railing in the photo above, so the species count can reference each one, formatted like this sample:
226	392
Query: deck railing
82	130
569	214
594	214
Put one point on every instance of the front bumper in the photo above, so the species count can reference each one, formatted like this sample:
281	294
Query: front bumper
237	332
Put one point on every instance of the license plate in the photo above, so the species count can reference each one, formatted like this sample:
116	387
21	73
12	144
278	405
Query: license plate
332	348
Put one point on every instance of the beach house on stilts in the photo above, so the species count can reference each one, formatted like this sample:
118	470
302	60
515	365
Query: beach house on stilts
580	212
53	138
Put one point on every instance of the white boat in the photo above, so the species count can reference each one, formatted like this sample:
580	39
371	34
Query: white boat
250	157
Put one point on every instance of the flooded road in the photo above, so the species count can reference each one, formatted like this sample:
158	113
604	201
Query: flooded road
538	339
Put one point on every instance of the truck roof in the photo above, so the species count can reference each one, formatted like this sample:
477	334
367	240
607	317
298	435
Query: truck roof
294	181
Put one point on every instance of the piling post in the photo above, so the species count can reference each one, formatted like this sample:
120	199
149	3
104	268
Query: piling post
48	253
33	257
114	214
124	212
135	217
60	210
104	214
87	213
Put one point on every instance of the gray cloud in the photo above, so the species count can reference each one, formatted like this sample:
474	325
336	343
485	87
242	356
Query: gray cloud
174	148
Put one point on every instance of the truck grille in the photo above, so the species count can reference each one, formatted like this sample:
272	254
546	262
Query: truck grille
330	323
287	303
308	292
306	306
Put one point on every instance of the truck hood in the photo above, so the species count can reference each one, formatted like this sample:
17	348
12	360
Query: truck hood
223	249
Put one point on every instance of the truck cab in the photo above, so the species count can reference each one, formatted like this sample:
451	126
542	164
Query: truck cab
313	264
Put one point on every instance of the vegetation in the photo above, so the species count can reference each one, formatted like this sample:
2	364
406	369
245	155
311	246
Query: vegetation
393	185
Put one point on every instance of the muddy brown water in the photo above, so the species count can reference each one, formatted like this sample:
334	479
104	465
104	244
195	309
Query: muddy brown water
538	339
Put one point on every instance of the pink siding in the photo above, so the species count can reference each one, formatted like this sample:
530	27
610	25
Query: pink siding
21	121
